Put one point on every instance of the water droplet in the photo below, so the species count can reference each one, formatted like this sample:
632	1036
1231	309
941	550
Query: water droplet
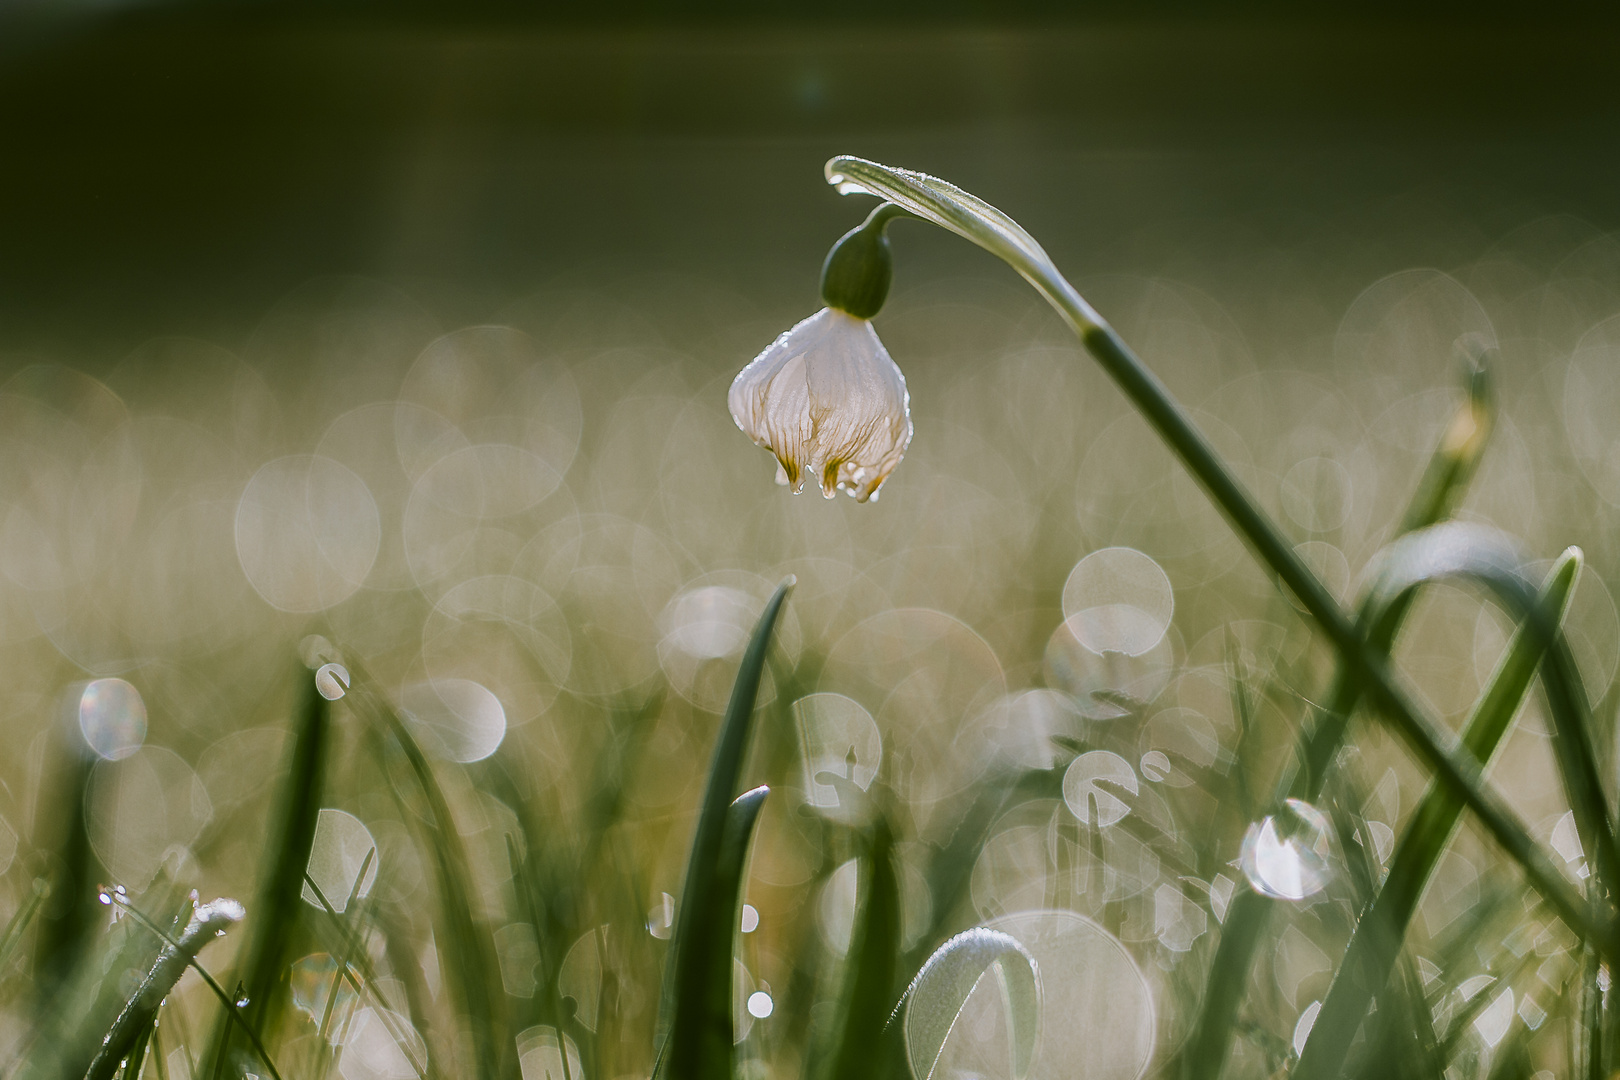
760	1004
661	918
750	919
104	898
241	1002
332	680
1286	855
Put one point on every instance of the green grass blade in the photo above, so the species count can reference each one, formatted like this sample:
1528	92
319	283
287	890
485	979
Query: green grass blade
279	904
867	996
468	950
208	922
701	1040
1377	939
698	897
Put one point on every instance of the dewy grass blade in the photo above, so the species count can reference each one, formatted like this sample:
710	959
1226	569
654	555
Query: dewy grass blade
1377	939
208	922
1434	745
929	1008
683	1054
297	810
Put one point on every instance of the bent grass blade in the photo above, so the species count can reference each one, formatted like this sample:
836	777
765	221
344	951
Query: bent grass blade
936	997
1377	939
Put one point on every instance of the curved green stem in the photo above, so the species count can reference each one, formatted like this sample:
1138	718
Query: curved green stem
972	218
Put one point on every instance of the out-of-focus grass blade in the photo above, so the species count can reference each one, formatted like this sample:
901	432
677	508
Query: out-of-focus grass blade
467	949
1377	939
274	915
18	926
700	1042
1451	466
941	989
683	1053
69	914
1479	553
867	997
353	955
1513	1056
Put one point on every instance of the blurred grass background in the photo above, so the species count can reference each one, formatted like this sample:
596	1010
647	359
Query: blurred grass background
231	239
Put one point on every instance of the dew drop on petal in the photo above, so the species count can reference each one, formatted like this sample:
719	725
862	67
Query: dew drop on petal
760	1005
1286	856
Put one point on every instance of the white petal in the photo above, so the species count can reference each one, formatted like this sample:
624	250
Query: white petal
826	398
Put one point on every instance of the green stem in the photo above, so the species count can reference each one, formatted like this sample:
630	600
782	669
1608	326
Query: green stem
978	221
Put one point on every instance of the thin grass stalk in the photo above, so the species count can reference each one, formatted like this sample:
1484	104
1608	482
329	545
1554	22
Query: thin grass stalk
1377	939
1435	746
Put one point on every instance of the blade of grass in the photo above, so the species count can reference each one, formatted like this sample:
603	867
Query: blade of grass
470	950
207	923
137	1053
868	995
1376	941
354	953
279	900
682	1052
931	1005
1451	465
1483	555
18	926
700	1042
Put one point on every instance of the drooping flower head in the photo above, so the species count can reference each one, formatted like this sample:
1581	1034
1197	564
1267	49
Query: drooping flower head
828	401
825	397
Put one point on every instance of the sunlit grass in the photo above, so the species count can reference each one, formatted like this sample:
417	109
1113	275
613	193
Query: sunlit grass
1039	687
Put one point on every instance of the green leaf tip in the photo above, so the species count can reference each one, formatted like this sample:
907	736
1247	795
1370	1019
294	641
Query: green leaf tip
698	1002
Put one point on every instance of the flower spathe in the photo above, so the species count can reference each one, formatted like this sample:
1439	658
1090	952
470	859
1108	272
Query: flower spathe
827	400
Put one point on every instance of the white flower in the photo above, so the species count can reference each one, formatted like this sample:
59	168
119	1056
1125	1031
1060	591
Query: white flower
826	399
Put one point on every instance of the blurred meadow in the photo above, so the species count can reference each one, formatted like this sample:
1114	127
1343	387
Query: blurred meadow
376	547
